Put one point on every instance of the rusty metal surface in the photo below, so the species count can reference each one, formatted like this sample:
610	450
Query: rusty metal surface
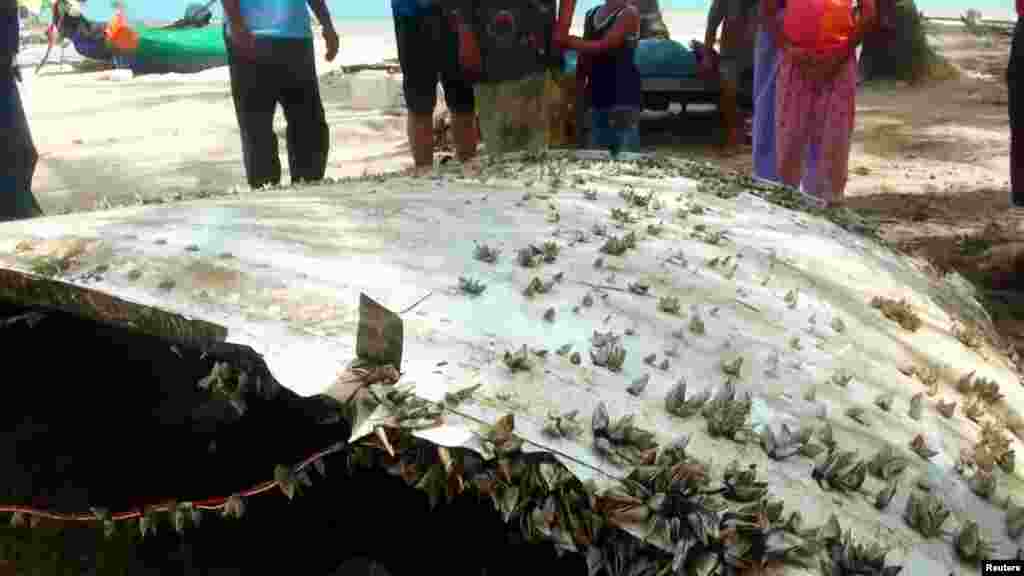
31	290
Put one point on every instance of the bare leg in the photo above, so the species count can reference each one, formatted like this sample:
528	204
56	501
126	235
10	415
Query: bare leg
730	113
421	140
464	130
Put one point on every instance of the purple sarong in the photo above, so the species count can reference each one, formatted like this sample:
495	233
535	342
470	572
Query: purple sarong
766	68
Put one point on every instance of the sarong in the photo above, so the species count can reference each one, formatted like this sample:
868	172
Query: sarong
815	113
766	68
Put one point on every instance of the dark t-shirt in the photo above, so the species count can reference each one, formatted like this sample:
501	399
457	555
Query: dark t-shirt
11	29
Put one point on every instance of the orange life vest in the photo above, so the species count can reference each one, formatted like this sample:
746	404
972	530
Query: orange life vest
121	37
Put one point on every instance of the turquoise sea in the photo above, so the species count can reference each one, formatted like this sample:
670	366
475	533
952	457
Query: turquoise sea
168	10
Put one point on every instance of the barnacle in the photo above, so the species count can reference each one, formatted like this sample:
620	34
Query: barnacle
925	513
563	425
791	298
987	390
885	495
621	441
639	287
526	257
974	410
614	246
485	253
788	443
607	351
921	448
696	324
677	404
965	384
887	463
518	361
847	557
838	325
637	386
983	484
536	286
916	406
842	378
970	545
856	413
733	367
727	415
1015	521
471	286
841	470
669	304
549	251
742	485
898	311
884	401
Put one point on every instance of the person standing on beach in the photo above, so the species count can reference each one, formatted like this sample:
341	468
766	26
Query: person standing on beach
18	154
428	52
766	67
271	59
737	19
816	91
1015	82
607	75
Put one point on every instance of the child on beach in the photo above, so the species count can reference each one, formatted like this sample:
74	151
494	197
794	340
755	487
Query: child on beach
607	73
816	89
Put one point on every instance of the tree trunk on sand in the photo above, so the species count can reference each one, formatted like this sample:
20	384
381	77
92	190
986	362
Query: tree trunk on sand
899	48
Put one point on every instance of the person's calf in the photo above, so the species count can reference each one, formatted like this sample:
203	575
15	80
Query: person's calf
421	139
465	133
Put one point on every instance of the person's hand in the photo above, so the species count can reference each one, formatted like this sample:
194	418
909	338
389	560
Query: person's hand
332	42
243	41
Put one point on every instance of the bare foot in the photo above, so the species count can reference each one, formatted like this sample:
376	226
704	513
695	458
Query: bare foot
418	171
472	168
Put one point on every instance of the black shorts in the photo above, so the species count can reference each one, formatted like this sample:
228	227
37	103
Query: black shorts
428	50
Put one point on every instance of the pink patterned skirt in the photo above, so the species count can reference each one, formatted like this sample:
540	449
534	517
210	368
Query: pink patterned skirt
814	113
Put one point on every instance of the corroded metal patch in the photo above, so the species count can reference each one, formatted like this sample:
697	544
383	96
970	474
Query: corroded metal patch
30	290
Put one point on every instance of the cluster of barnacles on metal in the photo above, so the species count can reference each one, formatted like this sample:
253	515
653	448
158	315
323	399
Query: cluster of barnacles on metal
727	415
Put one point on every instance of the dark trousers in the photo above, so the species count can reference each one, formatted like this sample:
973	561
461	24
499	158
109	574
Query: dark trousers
1015	81
18	155
282	72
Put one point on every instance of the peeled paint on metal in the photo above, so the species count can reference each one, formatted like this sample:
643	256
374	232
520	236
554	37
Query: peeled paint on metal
299	258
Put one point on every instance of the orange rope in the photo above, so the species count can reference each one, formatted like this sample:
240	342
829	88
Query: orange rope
207	504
